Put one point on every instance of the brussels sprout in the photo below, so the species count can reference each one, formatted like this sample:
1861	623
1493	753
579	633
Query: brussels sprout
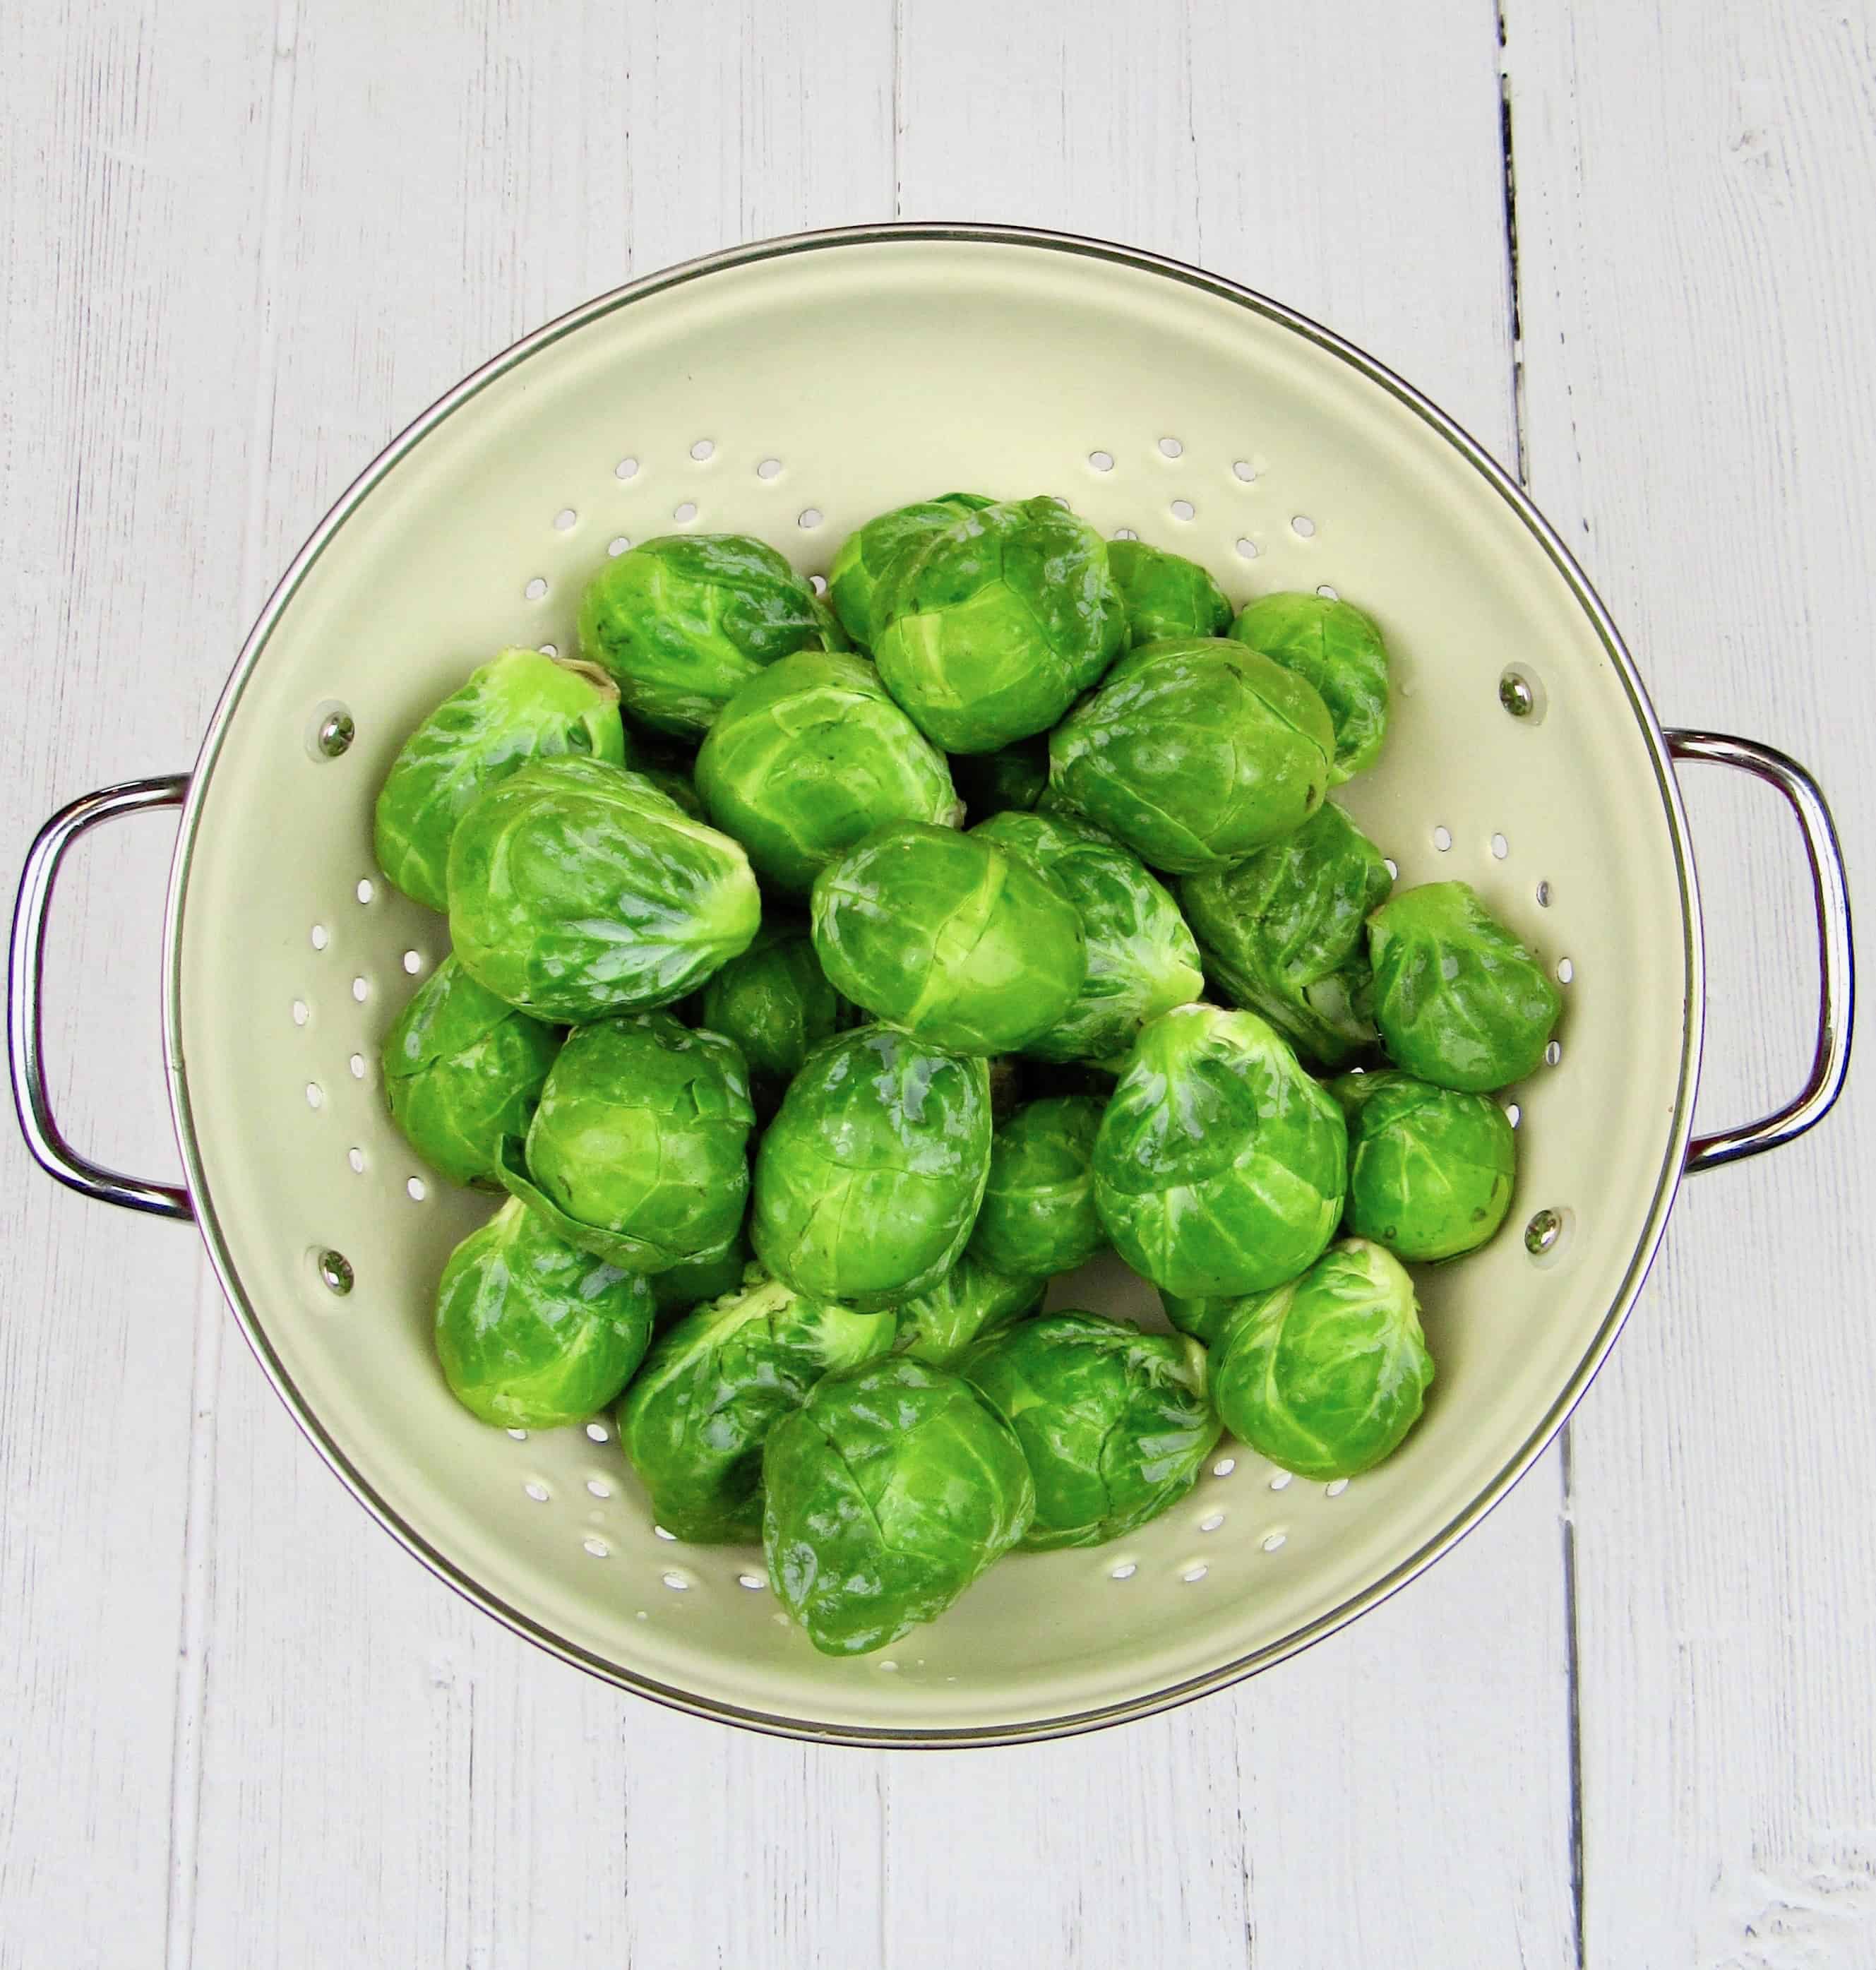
1220	1165
775	1002
1339	650
1459	1000
1114	1423
1038	1216
532	1332
1166	595
833	636
523	706
1015	776
1429	1168
1141	958
1325	1375
679	1288
1282	932
870	553
462	1069
868	1180
1195	753
889	1491
577	890
998	624
694	1420
639	1150
971	1299
950	936
809	757
1204	1319
681	621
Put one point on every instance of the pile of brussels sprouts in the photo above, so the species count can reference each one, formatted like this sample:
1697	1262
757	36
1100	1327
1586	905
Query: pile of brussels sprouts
805	1076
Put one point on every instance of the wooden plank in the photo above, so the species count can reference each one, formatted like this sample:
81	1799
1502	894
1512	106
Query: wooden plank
1697	283
128	165
1309	1818
387	1777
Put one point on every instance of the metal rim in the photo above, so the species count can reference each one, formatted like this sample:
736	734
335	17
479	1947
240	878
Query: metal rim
1655	1222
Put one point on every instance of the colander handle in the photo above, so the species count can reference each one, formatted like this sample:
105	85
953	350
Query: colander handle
1836	965
50	1150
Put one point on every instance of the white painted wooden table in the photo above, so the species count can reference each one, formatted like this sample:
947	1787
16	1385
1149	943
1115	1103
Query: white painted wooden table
1631	1723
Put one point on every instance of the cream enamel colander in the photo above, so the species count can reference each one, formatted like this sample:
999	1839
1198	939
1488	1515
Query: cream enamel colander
791	390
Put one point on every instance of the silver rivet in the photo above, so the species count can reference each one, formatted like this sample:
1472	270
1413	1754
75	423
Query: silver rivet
336	734
335	1273
1515	695
1543	1232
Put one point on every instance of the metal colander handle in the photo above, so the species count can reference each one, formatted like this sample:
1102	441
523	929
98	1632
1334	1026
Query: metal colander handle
25	1052
1836	967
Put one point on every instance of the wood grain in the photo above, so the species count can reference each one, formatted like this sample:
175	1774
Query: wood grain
1207	1837
387	1777
1695	301
129	174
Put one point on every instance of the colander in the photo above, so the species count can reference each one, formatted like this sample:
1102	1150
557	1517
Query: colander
791	390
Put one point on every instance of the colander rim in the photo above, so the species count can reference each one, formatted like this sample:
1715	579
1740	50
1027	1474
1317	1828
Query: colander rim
1150	1703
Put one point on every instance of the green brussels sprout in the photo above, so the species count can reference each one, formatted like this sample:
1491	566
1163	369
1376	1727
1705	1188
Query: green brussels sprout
1203	1318
869	553
687	1284
1339	650
998	624
694	1420
950	936
1195	753
888	1492
639	1150
462	1069
520	707
532	1332
679	622
1014	776
971	1299
1114	1423
1282	932
1038	1216
868	1180
1165	594
1326	1374
1429	1168
808	758
833	636
578	890
1459	1000
775	1002
1142	960
1220	1166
